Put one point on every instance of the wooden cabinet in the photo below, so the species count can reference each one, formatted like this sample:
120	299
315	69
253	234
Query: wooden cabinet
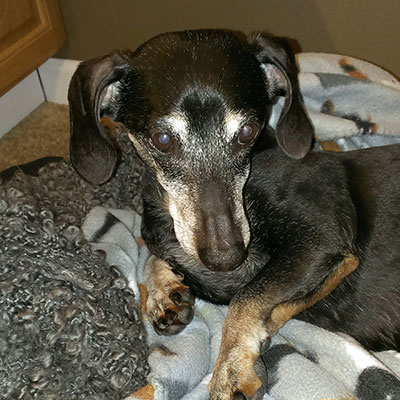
31	31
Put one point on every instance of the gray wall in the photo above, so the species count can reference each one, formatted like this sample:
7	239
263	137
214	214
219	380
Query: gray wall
368	29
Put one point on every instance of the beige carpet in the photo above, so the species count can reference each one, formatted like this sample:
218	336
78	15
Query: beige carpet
44	132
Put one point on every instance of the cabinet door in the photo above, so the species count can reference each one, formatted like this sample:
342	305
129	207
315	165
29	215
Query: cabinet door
31	31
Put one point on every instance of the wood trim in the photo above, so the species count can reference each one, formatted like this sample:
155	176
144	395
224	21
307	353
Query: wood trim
27	53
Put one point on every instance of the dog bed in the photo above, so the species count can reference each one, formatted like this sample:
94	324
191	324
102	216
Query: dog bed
70	323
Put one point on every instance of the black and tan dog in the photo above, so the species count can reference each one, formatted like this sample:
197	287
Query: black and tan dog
237	212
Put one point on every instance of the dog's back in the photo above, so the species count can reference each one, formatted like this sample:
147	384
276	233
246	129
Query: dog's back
367	304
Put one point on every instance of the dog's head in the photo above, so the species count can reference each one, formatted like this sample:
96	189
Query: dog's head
194	104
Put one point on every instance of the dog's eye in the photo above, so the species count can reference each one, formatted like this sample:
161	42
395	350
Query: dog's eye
247	133
162	142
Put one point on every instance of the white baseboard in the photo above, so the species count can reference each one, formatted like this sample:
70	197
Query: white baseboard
23	98
56	74
20	101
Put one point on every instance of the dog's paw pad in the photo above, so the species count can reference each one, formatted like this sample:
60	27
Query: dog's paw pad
167	320
239	396
182	295
173	322
175	313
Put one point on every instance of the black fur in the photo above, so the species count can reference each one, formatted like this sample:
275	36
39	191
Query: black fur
306	210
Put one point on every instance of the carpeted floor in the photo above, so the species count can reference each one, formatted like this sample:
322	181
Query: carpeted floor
44	132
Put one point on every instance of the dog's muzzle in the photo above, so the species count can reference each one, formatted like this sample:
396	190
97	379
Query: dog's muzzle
220	246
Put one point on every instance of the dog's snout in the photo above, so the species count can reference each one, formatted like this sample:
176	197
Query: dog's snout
221	247
226	260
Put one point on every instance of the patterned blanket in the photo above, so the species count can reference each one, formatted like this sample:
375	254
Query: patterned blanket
304	362
352	104
346	97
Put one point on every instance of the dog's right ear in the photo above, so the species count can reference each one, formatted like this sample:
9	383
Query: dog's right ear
91	151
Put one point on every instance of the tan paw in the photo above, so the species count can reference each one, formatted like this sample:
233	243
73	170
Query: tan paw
170	303
236	378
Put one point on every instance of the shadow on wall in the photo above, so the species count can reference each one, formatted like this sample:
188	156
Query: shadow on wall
370	32
97	26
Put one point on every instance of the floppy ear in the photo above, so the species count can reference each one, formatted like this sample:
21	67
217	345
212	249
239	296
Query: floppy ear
91	151
294	131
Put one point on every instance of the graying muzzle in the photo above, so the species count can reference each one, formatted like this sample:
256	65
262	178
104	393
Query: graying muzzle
220	243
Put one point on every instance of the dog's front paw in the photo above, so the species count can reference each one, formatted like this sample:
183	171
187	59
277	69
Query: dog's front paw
234	377
172	310
170	303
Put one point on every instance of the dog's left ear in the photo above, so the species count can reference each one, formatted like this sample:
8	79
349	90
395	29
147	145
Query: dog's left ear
294	131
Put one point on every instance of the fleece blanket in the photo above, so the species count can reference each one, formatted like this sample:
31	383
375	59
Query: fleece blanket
352	104
304	362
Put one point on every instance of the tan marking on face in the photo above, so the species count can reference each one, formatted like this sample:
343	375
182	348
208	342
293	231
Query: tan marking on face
183	217
240	215
178	124
133	139
181	209
180	206
233	121
110	127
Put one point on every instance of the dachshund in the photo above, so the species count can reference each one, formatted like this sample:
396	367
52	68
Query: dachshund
239	212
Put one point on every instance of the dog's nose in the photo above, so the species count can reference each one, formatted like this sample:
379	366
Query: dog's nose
221	246
223	260
220	242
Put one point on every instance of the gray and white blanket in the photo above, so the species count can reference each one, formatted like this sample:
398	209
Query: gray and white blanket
352	104
304	362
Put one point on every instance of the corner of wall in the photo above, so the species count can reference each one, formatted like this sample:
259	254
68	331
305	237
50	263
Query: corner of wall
48	83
